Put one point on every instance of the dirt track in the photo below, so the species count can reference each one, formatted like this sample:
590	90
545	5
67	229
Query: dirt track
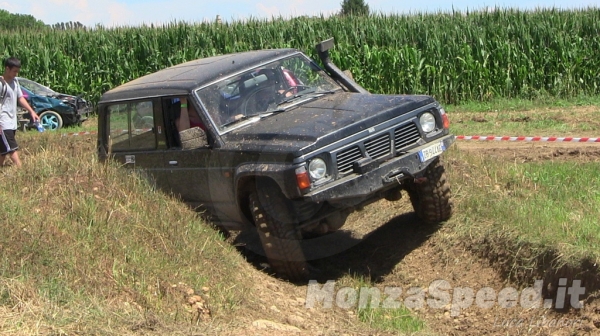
402	252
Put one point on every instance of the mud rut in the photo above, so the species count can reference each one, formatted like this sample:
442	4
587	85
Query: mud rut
390	247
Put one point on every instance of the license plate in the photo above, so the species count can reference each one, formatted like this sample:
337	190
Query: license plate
432	151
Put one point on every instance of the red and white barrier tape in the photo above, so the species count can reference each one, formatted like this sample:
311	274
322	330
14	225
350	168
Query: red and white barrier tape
526	139
81	133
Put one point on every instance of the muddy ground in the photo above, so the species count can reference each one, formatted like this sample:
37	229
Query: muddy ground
389	247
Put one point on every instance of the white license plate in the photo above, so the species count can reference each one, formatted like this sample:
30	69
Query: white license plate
432	151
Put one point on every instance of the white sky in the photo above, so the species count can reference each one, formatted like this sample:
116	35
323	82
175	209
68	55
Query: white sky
135	12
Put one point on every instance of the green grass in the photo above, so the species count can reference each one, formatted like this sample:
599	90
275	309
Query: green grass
547	206
397	319
504	105
522	124
516	117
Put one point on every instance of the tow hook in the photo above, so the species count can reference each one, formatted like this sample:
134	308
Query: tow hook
420	180
396	175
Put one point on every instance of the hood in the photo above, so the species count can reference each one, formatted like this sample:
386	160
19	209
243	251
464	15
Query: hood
41	103
322	121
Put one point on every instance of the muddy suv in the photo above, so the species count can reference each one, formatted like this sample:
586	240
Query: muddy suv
270	141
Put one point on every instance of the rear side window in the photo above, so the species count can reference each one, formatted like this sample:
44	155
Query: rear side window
132	126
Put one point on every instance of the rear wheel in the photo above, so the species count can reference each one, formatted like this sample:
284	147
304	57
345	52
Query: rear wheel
431	199
51	120
278	234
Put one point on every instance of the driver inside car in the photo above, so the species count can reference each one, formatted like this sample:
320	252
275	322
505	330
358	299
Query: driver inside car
262	89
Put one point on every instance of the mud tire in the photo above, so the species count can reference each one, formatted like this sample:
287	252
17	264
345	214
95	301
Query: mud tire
279	237
431	199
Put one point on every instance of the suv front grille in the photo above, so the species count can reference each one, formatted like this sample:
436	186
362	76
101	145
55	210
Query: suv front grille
346	158
406	135
378	147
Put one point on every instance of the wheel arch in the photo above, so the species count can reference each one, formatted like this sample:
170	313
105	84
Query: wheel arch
245	186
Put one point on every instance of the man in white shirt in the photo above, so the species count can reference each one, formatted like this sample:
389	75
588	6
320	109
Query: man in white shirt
10	95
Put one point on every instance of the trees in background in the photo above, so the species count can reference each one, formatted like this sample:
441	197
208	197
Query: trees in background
354	7
9	21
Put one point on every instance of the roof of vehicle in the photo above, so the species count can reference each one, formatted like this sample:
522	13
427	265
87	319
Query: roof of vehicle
181	79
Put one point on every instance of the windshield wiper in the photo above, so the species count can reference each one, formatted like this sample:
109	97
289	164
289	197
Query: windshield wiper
240	118
302	94
274	107
295	96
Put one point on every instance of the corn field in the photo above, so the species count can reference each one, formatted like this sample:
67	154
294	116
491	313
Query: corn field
455	57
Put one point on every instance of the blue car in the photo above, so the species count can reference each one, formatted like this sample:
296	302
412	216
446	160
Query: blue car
55	109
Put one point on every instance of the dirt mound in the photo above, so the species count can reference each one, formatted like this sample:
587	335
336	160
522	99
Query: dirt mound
397	250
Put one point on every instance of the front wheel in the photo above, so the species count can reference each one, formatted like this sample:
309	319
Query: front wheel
431	199
51	120
278	234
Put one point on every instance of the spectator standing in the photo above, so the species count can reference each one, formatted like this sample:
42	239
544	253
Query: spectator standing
10	96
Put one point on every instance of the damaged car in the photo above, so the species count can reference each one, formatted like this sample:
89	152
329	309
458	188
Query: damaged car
55	109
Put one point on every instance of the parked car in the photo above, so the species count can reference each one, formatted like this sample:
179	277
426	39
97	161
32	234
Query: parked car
55	109
289	149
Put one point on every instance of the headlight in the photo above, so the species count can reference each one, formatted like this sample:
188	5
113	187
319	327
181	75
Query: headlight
317	169
427	121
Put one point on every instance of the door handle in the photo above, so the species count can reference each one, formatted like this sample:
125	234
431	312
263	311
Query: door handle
173	163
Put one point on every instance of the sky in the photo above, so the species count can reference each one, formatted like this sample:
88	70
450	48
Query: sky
111	13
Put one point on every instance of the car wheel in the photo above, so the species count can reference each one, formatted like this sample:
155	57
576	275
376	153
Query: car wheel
278	234
431	199
51	120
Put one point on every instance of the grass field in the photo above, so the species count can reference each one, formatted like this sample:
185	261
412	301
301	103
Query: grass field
547	203
88	248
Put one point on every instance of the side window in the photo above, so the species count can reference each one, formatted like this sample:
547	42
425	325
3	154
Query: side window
132	126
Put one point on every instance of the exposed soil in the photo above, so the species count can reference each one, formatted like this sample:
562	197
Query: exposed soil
388	245
403	252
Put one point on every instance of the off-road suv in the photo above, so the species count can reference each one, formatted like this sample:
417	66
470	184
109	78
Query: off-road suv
269	140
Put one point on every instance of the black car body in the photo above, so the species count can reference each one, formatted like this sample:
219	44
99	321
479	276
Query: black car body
286	147
55	109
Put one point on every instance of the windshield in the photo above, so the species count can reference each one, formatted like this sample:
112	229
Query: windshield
264	89
36	88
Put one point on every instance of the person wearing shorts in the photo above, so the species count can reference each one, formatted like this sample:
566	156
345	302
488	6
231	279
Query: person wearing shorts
10	96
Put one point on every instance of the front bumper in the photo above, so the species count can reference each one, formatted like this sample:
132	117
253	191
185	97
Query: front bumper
380	178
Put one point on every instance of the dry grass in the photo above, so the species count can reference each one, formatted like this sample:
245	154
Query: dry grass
90	248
